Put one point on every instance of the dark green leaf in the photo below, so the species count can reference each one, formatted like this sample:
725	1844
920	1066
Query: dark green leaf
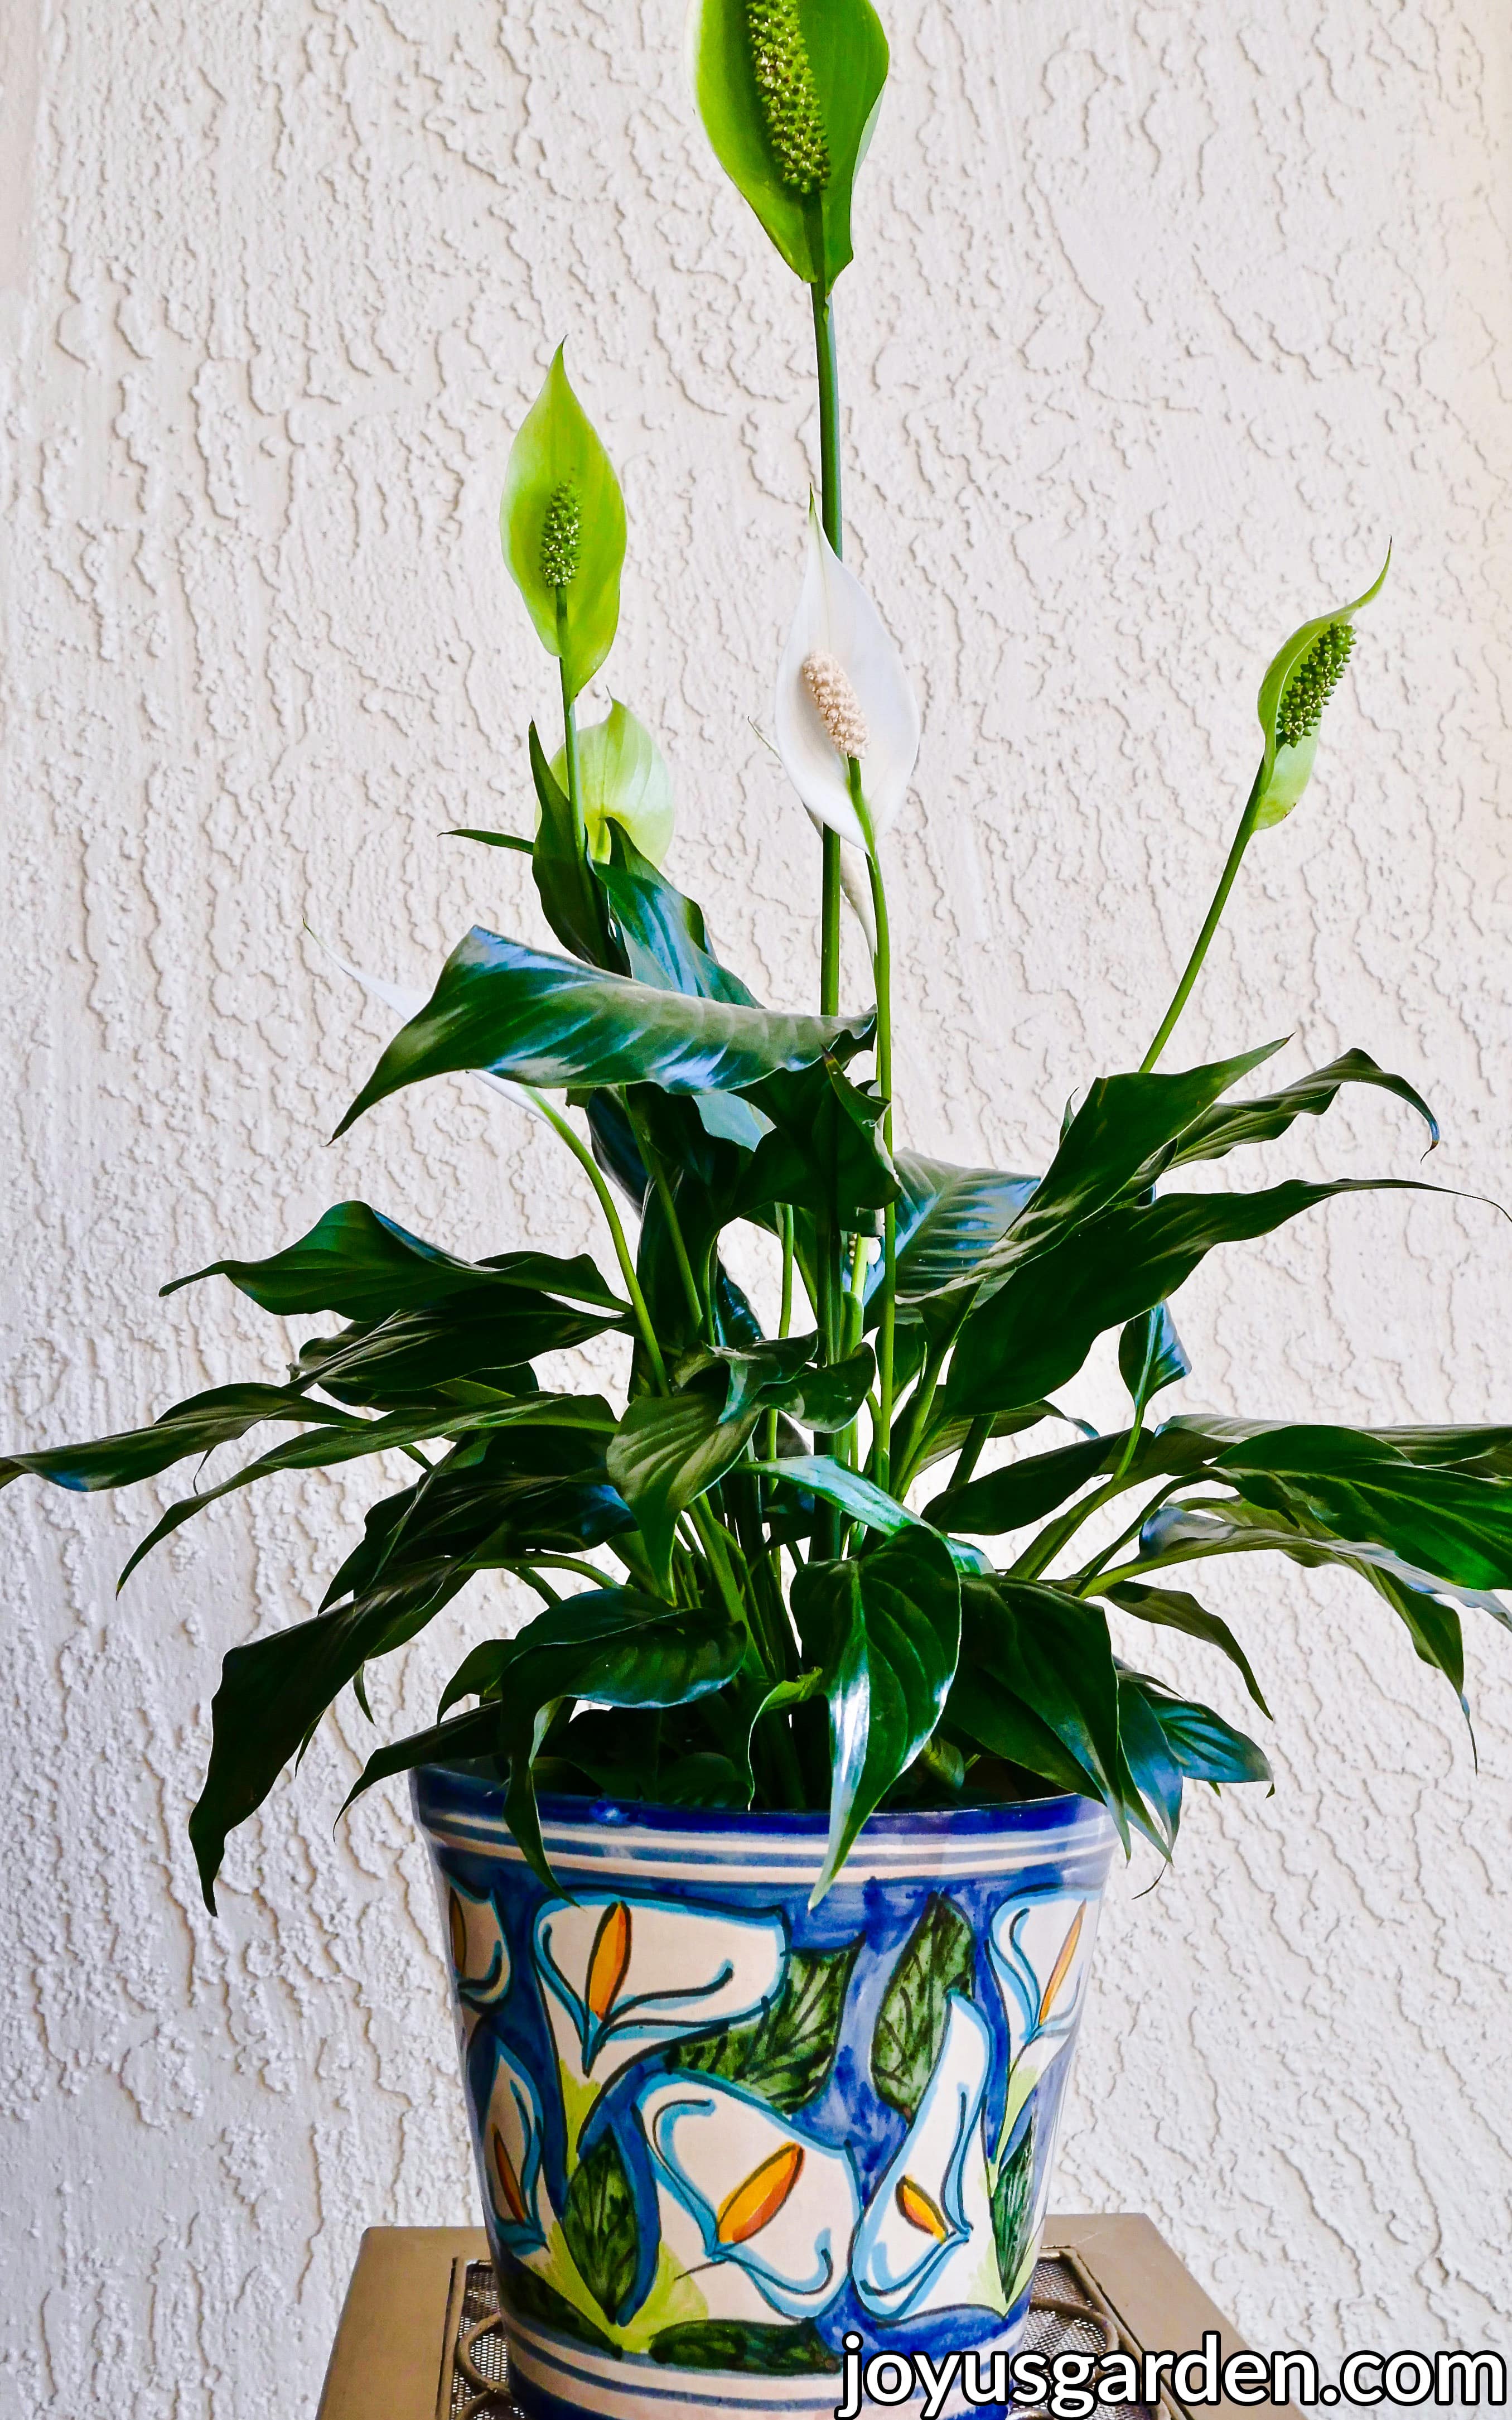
938	1957
1022	1491
669	1451
1150	1775
358	1264
1173	1609
1037	1330
1221	1129
825	1151
662	932
785	2057
1151	1356
1051	1651
947	1220
523	1014
598	2223
763	2346
412	1352
196	1426
559	861
886	1633
1203	1744
1439	1521
852	1494
489	839
610	1646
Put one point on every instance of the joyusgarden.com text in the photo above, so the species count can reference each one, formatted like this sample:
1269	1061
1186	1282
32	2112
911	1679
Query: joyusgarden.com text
1077	2385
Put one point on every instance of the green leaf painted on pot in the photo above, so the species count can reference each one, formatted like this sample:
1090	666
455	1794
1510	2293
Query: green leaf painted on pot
562	514
763	2347
669	1451
362	1266
530	2296
786	2056
886	1633
622	779
791	134
1298	681
938	1957
523	1013
598	2223
1013	2206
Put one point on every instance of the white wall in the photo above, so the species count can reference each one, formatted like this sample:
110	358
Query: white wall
1166	318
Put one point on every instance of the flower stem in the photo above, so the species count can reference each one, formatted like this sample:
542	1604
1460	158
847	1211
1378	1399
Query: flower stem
569	727
882	968
1220	901
826	370
664	1195
622	1251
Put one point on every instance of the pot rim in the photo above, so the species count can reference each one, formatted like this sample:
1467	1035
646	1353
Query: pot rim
603	1811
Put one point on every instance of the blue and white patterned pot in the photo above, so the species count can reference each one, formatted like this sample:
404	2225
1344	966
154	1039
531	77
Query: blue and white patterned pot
721	2136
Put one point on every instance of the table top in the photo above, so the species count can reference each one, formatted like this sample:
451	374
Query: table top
420	2339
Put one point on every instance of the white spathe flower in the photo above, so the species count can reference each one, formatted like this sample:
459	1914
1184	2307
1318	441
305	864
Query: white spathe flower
753	2205
842	691
1041	1949
927	2242
623	1976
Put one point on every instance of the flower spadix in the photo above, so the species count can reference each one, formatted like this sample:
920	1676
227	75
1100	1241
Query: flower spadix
842	697
562	524
1299	681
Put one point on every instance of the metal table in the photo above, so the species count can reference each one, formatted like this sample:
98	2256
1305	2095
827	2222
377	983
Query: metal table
420	2336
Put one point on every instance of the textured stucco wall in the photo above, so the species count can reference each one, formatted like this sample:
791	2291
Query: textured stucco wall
1166	318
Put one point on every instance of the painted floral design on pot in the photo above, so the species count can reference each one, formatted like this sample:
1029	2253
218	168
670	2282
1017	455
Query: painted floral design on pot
763	2209
720	2129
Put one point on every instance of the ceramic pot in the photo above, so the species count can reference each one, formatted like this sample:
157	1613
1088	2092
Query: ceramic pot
724	2137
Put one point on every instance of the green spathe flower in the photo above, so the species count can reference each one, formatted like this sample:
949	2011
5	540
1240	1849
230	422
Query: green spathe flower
1298	684
623	778
788	91
562	525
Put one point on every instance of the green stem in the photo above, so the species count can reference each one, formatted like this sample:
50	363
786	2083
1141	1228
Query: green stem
622	1251
664	1195
828	369
1220	901
881	970
569	726
784	1316
827	374
970	1454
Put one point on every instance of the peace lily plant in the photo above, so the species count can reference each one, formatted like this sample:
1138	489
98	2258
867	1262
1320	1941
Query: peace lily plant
769	1561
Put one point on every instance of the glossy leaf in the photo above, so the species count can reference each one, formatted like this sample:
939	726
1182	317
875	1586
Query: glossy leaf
1229	1124
939	1959
826	1152
1151	1356
557	449
1051	1653
884	1632
609	1647
546	1020
195	1426
1151	1776
948	1219
1037	1330
1173	1609
669	1451
1205	1747
1022	1491
1439	1521
362	1266
847	55
663	933
563	879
